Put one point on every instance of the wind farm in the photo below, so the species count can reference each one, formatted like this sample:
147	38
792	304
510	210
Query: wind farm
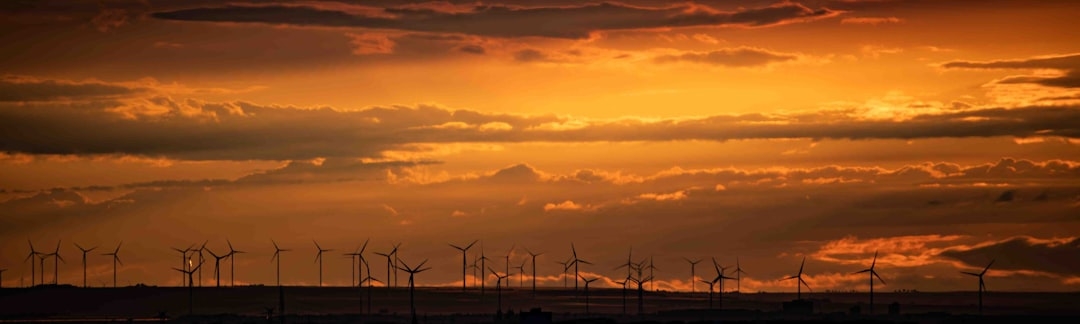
918	160
603	295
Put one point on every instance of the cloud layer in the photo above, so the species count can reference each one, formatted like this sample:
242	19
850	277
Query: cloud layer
498	20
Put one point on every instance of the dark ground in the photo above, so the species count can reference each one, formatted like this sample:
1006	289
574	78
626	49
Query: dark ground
452	306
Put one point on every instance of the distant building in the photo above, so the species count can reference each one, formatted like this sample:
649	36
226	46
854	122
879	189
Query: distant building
535	316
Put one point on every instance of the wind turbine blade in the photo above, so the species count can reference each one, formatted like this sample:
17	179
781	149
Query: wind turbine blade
801	266
365	246
878	277
970	274
421	263
317	247
456	247
863	271
988	266
872	263
471	244
117	257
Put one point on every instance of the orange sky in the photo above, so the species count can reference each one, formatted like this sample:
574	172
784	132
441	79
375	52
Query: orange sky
943	134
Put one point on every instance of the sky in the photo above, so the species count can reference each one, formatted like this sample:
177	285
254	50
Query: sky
939	135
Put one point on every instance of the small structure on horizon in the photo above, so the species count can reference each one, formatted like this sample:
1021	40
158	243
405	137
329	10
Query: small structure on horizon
535	316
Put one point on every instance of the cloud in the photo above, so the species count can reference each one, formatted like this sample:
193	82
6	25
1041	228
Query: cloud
1056	256
156	125
871	20
732	57
566	205
1068	65
498	20
21	88
370	43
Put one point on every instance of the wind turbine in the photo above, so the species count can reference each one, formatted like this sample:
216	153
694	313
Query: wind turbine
232	263
508	253
183	261
711	284
370	280
521	273
389	263
217	265
352	266
624	282
720	277
281	290
464	262
191	283
873	273
318	258
498	288
277	257
641	292
394	253
33	267
587	282
202	259
576	261
738	276
84	252
693	276
56	263
475	266
982	284
363	261
412	284
651	268
534	255
116	259
800	282
565	267
483	265
2	277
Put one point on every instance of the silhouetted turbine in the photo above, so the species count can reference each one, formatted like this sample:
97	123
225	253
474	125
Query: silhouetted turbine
360	255
318	259
191	283
57	258
693	275
389	263
202	259
800	282
369	279
498	289
534	255
277	257
412	284
587	282
566	267
738	276
982	284
116	259
84	252
217	265
232	263
394	254
711	284
183	261
483	265
873	273
508	253
651	268
521	274
464	261
33	266
720	277
641	292
624	284
576	261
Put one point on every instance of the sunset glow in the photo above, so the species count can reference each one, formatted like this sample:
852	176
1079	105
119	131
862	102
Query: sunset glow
939	134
